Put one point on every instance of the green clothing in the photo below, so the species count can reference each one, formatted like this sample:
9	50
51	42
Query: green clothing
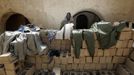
77	42
112	34
90	41
107	35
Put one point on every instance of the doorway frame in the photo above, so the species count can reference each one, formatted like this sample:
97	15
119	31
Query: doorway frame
84	17
6	16
83	13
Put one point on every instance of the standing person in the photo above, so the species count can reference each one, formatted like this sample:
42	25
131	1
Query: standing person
66	30
68	19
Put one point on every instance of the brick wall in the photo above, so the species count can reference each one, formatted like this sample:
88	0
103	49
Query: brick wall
103	59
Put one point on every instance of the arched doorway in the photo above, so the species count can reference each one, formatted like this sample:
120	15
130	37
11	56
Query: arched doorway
14	21
81	22
84	19
132	25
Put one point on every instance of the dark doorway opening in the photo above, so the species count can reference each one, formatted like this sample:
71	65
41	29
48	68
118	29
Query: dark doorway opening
82	22
85	19
132	25
14	21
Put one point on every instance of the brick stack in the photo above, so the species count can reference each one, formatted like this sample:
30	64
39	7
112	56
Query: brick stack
102	72
28	70
128	67
11	65
103	59
106	59
2	71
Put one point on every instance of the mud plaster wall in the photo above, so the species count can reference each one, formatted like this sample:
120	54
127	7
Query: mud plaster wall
50	13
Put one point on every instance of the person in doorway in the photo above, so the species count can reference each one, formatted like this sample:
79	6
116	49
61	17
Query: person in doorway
68	19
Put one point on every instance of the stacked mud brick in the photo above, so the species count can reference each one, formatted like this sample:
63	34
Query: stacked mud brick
28	70
42	62
11	65
128	67
106	59
101	72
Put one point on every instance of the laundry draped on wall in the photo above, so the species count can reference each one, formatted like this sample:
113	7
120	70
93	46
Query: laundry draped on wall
27	40
24	41
107	36
52	38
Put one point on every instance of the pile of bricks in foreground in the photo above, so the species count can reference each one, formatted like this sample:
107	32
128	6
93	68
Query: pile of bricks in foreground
128	67
103	59
12	66
102	72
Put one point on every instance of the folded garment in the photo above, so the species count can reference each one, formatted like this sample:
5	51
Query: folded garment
68	30
90	41
78	37
59	34
77	42
5	40
31	44
112	33
29	28
21	44
18	47
39	45
47	36
65	32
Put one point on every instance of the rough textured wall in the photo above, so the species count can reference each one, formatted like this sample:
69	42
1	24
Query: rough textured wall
49	13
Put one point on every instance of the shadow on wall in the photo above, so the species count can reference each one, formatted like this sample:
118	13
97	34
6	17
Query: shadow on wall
84	19
12	21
